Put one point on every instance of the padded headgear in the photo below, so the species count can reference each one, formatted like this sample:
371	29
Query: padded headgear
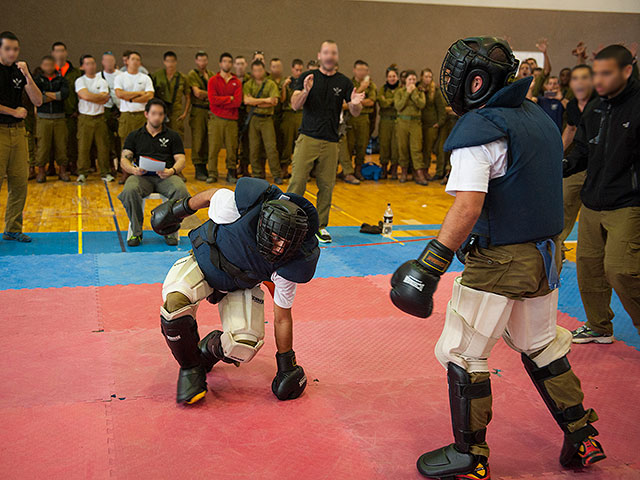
472	57
282	228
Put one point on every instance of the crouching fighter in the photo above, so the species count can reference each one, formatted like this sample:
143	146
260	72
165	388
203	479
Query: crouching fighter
507	179
255	234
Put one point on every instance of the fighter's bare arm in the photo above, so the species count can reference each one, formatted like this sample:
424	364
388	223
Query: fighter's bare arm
461	218
283	328
202	199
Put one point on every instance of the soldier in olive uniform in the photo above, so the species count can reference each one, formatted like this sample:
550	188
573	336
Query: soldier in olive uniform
197	80
449	123
433	118
359	127
172	86
387	126
261	95
70	74
275	74
409	102
240	69
291	120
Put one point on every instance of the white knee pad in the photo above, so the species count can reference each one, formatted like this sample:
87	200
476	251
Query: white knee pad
532	325
242	315
558	348
474	323
186	277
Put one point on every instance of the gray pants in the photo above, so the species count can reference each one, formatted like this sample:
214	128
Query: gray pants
138	187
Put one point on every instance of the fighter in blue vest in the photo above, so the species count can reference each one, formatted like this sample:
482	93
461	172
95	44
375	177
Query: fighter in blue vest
507	179
256	234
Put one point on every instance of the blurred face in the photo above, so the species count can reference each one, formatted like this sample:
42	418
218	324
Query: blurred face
328	56
411	79
134	63
608	77
258	56
258	72
279	244
202	62
89	66
360	72
276	69
170	63
125	60
427	78
225	64
108	62
581	83
403	78
48	67
532	63
240	66
59	53
155	116
525	70
552	85
565	76
392	77
537	72
9	51
296	71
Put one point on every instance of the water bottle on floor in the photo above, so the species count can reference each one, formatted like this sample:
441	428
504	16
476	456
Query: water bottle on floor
387	225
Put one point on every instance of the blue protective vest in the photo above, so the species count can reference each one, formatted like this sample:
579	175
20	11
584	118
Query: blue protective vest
524	205
242	265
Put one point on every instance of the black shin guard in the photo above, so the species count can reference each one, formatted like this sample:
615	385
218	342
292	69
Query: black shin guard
564	418
457	458
461	392
182	338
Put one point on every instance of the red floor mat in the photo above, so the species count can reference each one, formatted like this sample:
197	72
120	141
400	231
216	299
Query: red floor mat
80	403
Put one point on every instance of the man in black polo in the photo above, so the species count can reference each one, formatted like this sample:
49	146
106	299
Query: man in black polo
14	153
321	92
156	142
606	145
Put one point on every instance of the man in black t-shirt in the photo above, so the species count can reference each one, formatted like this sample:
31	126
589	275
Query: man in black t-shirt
582	85
156	143
321	92
14	153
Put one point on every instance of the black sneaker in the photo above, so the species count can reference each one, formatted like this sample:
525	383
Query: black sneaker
171	240
201	172
232	176
134	241
212	178
584	334
323	236
16	236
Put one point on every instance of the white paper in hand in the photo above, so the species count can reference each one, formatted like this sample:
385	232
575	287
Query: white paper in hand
151	164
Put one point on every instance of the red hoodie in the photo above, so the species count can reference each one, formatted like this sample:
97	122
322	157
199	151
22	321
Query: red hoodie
220	93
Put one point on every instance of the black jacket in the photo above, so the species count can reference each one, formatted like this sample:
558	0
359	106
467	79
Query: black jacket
607	145
56	84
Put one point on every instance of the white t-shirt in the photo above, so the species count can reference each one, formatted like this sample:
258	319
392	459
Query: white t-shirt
223	209
473	167
96	84
133	83
111	78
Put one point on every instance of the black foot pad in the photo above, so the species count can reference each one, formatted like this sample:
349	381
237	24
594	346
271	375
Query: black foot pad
446	462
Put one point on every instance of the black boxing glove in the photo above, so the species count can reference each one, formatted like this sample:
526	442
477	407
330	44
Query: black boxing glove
290	381
166	218
415	282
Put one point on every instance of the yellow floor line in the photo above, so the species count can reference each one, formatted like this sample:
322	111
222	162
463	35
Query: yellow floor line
79	219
